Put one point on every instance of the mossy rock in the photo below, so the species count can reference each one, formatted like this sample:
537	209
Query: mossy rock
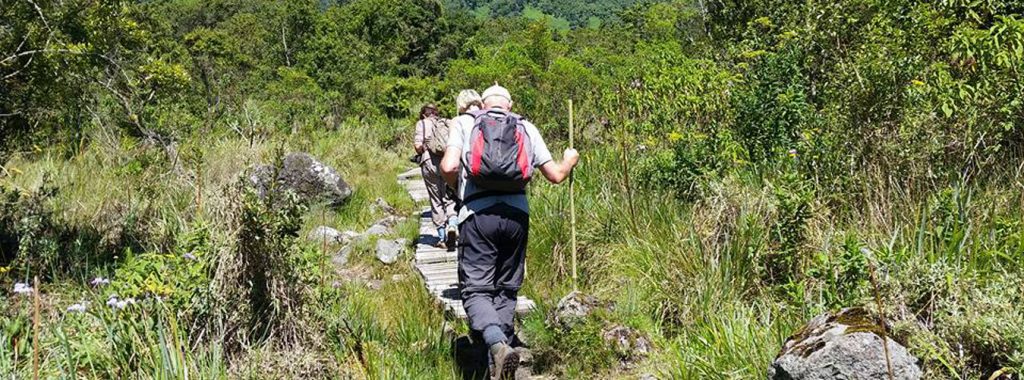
849	344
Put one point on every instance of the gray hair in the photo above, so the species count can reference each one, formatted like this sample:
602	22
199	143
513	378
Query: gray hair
468	98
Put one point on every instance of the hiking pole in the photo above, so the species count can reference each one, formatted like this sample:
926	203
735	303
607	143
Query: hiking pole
572	202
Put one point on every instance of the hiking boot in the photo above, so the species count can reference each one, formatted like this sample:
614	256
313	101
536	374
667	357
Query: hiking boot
451	237
506	362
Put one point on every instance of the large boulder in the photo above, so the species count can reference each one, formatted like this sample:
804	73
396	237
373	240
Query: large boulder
844	345
310	179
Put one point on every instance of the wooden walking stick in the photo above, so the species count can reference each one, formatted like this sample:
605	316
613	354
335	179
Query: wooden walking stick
572	201
35	329
881	311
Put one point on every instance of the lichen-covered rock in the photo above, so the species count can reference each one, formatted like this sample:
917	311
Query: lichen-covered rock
382	205
844	345
341	257
388	251
572	309
311	180
628	343
376	230
325	234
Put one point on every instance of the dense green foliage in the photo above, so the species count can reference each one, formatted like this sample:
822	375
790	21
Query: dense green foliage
563	13
737	155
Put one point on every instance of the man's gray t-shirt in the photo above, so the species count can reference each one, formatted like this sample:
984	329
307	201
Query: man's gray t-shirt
458	137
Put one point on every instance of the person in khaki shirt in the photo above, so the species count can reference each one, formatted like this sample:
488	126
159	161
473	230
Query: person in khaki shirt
442	201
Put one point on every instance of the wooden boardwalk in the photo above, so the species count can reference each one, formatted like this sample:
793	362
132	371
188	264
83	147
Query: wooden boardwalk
438	267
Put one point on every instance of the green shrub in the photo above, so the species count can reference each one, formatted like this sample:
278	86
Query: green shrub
259	286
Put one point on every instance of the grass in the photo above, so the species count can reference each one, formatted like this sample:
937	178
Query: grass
394	330
688	276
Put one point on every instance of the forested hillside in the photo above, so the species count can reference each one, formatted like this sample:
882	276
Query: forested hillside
746	166
563	13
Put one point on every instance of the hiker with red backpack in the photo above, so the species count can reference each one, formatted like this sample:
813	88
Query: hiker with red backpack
492	154
430	144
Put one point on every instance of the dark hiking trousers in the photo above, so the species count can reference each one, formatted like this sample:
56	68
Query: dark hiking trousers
492	258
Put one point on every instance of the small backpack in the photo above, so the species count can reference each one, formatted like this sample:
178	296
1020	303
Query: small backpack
437	141
500	157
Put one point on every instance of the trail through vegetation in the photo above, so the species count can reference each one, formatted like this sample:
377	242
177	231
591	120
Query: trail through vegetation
743	162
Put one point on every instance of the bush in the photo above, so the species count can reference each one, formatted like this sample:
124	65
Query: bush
258	284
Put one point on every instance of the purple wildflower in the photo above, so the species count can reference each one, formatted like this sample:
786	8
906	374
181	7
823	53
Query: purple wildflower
76	308
189	256
99	281
120	304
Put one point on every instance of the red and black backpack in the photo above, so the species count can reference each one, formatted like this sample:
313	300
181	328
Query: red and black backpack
500	157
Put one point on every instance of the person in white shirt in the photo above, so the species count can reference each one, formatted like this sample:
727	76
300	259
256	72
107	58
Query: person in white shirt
493	231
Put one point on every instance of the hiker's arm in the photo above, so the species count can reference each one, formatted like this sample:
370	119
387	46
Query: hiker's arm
417	143
450	166
557	172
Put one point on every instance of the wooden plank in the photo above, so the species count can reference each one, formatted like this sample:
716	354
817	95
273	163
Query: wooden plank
441	257
411	173
440	274
438	267
432	250
449	282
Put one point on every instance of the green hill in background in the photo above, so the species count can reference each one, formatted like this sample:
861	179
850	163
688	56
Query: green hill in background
565	14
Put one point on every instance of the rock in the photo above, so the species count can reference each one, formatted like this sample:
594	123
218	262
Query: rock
357	275
628	343
845	345
349	236
525	370
390	221
324	233
525	356
377	230
572	309
383	206
648	376
310	179
374	284
389	250
341	258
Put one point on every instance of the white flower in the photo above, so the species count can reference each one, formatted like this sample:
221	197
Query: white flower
22	288
189	256
120	304
99	281
76	308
